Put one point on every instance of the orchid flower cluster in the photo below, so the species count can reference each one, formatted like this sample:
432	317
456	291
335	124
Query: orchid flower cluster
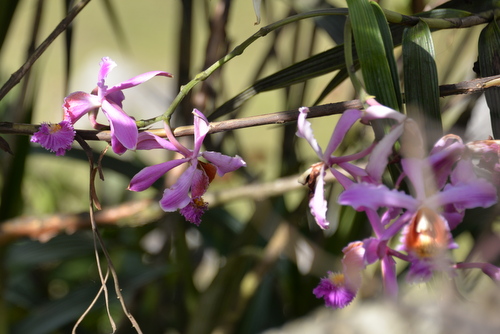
442	185
186	194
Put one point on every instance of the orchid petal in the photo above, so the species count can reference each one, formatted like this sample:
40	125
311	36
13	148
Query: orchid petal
148	175
341	178
346	121
106	65
389	276
122	125
149	141
378	111
377	162
317	203
116	97
199	183
419	172
78	104
224	163
177	196
366	195
201	127
137	80
117	147
480	193
304	130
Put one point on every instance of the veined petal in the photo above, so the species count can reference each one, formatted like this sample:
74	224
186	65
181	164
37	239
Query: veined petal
201	127
177	196
366	195
224	163
149	141
123	127
346	121
137	80
304	130
78	104
317	203
148	175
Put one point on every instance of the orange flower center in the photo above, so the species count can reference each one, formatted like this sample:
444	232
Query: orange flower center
428	235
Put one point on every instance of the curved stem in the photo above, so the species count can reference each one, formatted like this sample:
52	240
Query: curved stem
393	17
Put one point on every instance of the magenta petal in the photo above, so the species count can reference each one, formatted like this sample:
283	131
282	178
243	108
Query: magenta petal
304	130
137	80
480	193
199	183
366	195
389	276
177	196
55	137
334	295
348	118
224	163
317	203
378	111
123	127
148	141
377	162
147	176
78	104
106	65
201	127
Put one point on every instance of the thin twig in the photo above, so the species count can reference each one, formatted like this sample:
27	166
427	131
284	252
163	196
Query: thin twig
465	87
94	301
21	72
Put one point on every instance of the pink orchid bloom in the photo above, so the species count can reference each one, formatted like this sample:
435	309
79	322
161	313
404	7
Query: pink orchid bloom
124	133
376	164
186	194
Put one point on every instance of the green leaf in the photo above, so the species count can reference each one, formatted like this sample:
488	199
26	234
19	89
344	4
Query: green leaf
386	35
489	64
421	80
372	53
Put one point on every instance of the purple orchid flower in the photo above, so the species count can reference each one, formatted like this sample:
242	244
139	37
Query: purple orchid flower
186	194
426	235
314	177
124	133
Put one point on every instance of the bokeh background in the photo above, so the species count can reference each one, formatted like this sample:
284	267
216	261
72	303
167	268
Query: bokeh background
253	262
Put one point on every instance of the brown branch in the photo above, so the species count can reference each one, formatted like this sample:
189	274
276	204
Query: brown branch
136	213
45	228
465	87
19	74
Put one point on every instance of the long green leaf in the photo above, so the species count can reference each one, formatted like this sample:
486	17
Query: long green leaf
317	65
371	53
489	64
421	80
